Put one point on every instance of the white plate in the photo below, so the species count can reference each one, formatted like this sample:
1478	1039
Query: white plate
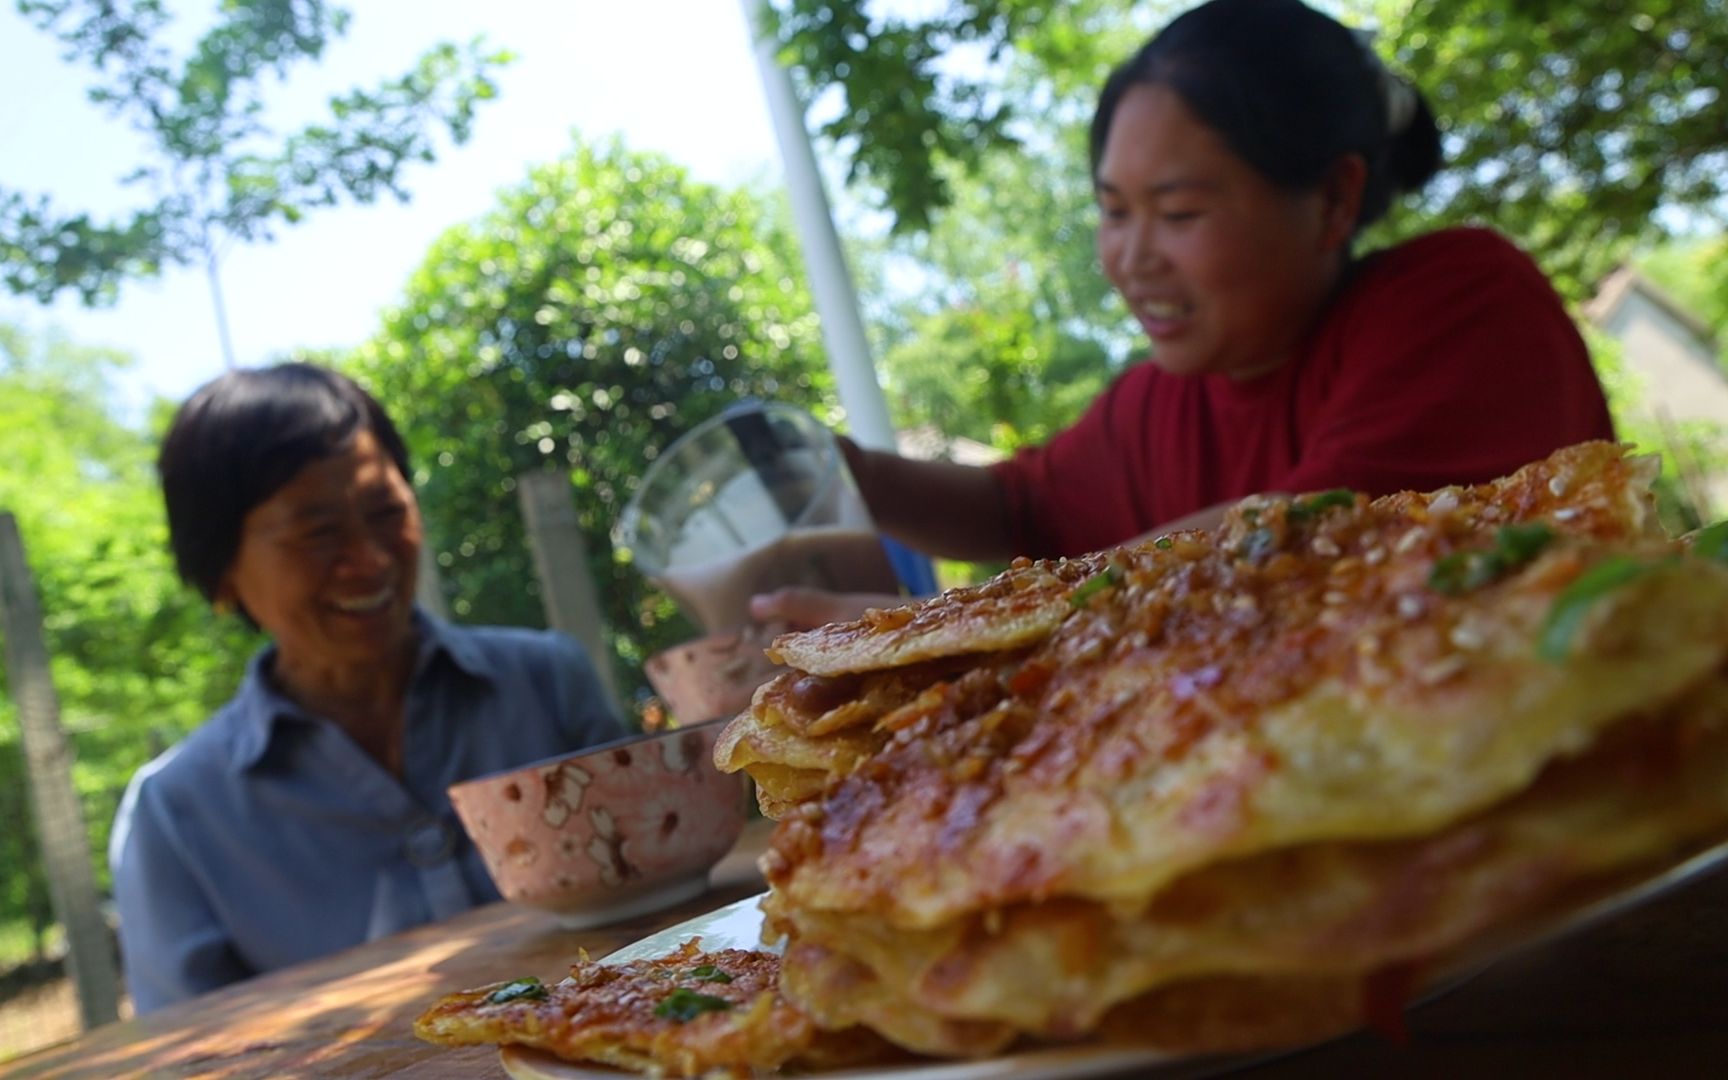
739	926
1057	1064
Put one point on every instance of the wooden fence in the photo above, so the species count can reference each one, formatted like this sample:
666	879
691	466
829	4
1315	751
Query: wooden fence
48	765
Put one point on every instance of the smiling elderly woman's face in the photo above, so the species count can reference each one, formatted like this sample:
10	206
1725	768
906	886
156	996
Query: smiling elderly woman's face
327	564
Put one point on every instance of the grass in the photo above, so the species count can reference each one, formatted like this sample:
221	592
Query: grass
42	1016
32	1016
38	1017
17	943
35	1014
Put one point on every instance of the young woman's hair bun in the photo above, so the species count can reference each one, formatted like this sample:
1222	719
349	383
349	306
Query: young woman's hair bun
1414	155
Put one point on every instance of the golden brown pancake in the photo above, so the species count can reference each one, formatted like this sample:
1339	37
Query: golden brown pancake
1309	712
689	1013
1217	791
806	729
1594	488
1254	693
1015	608
1654	790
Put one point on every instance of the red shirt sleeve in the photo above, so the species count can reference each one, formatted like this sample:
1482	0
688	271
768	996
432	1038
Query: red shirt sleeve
1455	363
1082	490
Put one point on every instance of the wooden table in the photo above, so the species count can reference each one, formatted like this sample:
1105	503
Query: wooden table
1643	996
351	1015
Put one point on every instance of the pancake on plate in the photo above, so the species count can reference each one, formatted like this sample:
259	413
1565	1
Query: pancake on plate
1223	789
1216	791
688	1013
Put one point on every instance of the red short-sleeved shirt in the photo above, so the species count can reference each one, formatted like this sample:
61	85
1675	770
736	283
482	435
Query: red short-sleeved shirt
1447	360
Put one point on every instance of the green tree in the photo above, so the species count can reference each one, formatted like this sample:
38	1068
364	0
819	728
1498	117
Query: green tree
1002	328
1568	125
215	169
995	322
993	373
137	660
1691	451
1691	270
607	305
919	93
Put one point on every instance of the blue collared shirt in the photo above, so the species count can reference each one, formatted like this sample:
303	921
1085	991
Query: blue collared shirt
268	837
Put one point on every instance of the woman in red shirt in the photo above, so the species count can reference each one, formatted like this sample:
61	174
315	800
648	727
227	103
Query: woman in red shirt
1236	157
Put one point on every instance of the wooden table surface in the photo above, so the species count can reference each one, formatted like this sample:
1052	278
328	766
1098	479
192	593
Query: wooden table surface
1645	996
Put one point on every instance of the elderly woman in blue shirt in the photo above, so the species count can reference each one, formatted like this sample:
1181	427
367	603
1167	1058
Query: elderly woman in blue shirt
309	814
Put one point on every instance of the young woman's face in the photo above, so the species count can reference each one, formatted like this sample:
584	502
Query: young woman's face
327	565
1225	271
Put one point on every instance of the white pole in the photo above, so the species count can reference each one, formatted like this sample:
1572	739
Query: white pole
830	280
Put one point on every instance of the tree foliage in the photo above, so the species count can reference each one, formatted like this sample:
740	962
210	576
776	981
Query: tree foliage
911	102
1003	330
1691	270
1692	451
1568	125
138	660
604	307
994	374
215	168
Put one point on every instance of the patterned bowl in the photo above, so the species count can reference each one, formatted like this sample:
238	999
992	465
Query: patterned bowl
712	676
609	833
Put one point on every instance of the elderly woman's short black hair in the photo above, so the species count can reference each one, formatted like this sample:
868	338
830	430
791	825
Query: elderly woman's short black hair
239	439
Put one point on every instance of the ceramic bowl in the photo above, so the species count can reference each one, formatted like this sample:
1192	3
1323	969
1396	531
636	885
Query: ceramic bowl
609	833
712	676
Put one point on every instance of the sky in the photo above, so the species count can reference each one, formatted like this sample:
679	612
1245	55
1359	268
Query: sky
673	76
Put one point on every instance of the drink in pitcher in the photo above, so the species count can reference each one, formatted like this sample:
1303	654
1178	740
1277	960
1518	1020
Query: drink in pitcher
747	502
838	558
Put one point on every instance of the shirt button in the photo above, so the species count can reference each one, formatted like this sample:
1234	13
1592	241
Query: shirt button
430	842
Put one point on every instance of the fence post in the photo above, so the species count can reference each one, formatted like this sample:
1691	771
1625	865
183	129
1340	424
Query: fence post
48	765
561	561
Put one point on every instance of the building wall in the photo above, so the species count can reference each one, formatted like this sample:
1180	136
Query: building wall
1676	368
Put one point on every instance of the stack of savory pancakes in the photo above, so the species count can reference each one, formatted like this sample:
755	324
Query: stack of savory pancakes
1224	790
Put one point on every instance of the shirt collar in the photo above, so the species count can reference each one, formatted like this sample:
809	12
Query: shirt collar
260	708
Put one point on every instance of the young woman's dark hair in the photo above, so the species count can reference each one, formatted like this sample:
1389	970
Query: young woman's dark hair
239	439
1290	91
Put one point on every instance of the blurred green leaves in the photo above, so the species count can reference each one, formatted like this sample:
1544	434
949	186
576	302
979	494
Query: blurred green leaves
1567	125
914	93
138	660
605	306
215	168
